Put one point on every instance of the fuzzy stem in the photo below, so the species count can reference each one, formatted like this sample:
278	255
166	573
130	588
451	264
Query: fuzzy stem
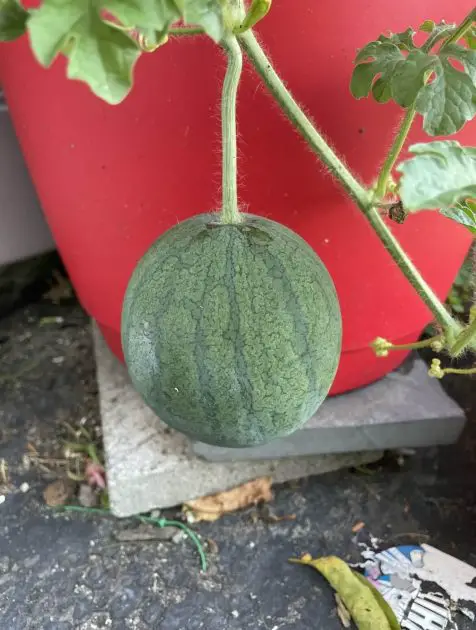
464	339
467	371
298	118
465	25
359	194
395	149
425	343
229	211
426	293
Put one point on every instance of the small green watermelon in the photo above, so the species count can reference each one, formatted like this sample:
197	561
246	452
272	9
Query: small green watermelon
231	333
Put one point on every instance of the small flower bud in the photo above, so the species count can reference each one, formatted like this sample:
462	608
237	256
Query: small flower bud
381	346
435	370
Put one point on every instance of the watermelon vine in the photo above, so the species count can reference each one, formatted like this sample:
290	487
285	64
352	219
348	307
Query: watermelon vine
229	211
102	40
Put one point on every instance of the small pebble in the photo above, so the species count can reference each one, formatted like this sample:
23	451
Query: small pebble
58	360
251	545
178	537
235	614
24	487
87	497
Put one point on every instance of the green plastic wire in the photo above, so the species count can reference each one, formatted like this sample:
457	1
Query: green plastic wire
158	522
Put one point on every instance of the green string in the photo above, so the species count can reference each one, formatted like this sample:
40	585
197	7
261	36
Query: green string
158	522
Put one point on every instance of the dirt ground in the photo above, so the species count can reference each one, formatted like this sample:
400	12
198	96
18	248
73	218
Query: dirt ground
62	571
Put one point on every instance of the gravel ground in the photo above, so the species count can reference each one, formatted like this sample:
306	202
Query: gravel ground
62	571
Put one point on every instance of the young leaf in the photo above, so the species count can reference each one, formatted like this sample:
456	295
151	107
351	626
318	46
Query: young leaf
209	14
441	174
449	100
403	41
438	31
99	54
256	12
464	213
13	19
442	91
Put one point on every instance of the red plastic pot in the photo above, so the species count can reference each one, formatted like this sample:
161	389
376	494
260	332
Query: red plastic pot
111	179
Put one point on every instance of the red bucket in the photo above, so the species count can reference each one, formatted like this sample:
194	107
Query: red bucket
112	179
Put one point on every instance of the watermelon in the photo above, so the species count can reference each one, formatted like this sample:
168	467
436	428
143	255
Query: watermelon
231	332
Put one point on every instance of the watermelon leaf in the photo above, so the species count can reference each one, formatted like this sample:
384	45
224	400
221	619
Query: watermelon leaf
209	14
463	212
148	14
449	100
440	85
441	174
98	53
13	19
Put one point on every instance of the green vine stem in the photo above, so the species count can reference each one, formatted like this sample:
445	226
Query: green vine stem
465	25
358	193
436	371
229	211
464	339
382	347
395	149
299	119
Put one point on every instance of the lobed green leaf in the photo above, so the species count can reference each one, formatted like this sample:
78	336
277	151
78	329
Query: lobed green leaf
98	53
440	175
441	86
463	212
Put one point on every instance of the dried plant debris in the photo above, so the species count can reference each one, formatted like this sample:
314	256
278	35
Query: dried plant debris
59	492
212	507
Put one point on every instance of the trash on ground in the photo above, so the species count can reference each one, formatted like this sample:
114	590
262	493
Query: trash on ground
212	507
424	586
366	606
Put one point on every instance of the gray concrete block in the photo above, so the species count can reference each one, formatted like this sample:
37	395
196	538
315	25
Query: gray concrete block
404	409
151	466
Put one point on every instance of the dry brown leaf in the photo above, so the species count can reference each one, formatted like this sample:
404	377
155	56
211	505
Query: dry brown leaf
212	507
58	492
358	526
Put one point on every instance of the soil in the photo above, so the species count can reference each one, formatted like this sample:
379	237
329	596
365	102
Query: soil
63	571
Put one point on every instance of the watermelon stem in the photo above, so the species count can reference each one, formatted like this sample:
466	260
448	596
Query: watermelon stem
230	212
363	197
